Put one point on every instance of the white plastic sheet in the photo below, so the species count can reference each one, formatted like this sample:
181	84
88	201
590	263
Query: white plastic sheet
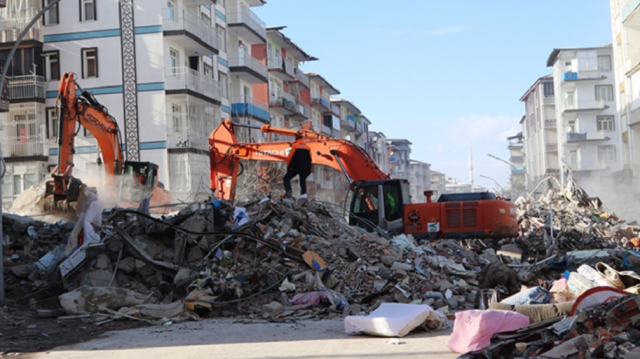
393	320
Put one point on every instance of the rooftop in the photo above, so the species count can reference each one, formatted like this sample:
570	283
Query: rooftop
281	39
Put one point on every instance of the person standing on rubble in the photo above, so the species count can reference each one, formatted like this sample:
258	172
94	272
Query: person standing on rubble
298	164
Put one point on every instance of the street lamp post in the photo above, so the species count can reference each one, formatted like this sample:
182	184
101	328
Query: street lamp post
496	182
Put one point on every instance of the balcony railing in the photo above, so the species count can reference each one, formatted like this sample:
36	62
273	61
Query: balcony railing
250	107
303	109
349	122
574	136
185	136
550	123
320	101
551	147
246	60
302	78
179	18
284	99
335	109
26	146
516	159
583	105
548	100
25	87
326	130
244	15
359	127
184	78
628	9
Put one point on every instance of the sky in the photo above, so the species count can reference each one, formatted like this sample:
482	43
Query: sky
444	74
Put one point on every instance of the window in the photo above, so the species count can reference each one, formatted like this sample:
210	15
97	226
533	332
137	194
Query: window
176	114
222	38
52	66
89	63
222	3
208	71
51	16
607	154
547	87
604	63
25	126
174	60
573	159
605	123
224	85
569	98
87	10
604	93
171	9
52	123
206	18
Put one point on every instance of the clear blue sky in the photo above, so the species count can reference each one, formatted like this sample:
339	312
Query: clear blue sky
442	74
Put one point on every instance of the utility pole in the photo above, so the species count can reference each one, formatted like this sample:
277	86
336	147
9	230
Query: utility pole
2	79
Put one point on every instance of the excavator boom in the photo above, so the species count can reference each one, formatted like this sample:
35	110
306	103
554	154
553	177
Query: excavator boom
338	154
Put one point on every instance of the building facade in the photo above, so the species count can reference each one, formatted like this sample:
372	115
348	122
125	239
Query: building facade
419	180
399	158
588	130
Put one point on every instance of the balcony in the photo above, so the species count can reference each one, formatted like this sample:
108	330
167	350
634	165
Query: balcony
516	159
551	147
349	123
320	102
250	107
246	24
248	68
17	150
283	103
326	130
26	88
301	78
359	127
183	80
282	69
185	136
550	123
335	109
629	9
583	137
187	29
303	111
11	29
594	107
549	100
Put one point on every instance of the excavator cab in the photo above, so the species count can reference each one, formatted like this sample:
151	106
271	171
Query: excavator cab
379	204
139	179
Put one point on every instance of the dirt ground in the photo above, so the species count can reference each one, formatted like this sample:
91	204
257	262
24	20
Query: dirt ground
21	331
250	339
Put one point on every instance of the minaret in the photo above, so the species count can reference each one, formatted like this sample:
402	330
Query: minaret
470	168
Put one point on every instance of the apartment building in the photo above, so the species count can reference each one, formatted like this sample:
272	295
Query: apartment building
438	184
588	128
625	24
420	180
379	150
539	132
167	74
288	86
399	158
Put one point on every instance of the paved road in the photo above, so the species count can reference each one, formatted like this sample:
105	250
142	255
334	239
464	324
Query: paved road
227	338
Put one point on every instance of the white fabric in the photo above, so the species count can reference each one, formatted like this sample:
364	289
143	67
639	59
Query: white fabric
392	320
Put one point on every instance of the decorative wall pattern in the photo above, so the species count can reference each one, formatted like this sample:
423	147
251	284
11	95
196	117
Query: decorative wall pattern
129	80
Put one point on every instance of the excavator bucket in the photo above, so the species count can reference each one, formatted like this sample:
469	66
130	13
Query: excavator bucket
60	192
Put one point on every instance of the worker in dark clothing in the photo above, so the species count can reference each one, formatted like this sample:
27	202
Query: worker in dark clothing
298	164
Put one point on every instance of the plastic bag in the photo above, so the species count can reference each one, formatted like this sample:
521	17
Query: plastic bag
473	329
533	295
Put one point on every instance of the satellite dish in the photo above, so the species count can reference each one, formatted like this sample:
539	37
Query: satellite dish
347	137
568	128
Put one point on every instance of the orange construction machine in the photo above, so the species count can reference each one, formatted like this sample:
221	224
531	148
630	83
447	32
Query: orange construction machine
132	181
377	200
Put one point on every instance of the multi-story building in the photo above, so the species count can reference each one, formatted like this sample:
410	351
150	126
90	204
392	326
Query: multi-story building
399	158
23	132
379	150
454	185
246	64
516	158
625	23
539	129
438	184
588	130
167	75
419	180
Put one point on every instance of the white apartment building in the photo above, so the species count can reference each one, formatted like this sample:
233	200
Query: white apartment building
588	128
167	72
625	24
419	180
539	132
379	150
399	158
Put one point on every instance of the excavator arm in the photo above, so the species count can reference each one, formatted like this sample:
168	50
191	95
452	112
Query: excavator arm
76	106
338	154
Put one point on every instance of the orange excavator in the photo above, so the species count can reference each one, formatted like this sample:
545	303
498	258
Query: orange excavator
378	202
132	181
